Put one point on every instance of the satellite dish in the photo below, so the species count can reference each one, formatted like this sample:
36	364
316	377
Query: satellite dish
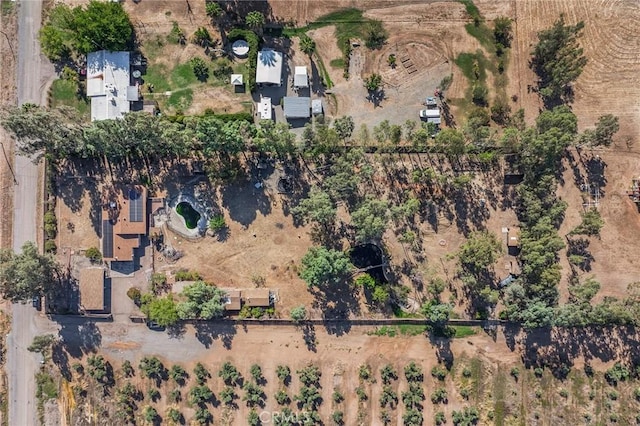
136	74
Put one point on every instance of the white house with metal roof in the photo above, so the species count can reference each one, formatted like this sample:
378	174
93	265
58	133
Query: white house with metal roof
269	67
109	84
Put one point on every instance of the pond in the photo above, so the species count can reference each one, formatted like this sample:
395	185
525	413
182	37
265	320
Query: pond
367	255
190	215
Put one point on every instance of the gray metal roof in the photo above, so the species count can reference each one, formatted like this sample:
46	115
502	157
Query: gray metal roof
297	107
316	106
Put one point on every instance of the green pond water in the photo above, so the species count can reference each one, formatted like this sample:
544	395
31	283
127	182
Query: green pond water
191	217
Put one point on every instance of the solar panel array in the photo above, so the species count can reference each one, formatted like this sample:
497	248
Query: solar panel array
107	239
135	206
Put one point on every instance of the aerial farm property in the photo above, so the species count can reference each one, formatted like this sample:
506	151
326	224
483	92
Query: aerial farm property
351	213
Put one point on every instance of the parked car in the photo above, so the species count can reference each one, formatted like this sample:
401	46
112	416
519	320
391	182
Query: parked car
36	303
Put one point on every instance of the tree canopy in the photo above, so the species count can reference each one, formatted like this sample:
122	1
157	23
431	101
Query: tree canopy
161	310
97	26
322	266
558	59
370	219
317	207
204	301
27	274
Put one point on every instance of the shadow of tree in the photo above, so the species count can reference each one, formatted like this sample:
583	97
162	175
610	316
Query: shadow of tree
243	200
207	332
309	336
79	336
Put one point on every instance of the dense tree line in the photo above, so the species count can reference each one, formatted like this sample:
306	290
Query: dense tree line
558	60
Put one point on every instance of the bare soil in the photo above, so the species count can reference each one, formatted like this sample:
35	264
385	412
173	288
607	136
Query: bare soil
614	262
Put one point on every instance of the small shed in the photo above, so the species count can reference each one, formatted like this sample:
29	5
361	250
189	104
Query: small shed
256	297
297	107
300	77
265	109
91	287
232	300
316	107
236	79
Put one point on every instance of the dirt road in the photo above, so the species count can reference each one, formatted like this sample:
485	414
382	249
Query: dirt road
22	365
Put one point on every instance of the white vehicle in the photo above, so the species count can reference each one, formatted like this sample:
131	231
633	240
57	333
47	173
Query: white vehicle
430	115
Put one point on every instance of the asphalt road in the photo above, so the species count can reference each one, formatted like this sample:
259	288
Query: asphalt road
22	364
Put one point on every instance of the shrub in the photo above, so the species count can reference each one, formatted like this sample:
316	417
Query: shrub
186	275
439	395
50	247
158	282
617	373
217	223
134	294
362	395
337	397
93	254
365	280
466	372
364	372
284	374
515	372
200	68
201	37
282	398
439	373
440	418
176	36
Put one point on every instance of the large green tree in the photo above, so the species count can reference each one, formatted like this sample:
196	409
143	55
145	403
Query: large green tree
322	266
204	301
161	310
558	59
370	219
317	207
307	45
479	252
27	274
96	26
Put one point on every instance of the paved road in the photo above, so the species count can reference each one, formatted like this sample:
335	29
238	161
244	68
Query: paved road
21	364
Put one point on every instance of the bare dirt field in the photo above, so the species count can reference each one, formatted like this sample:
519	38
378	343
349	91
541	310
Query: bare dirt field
483	372
609	83
614	262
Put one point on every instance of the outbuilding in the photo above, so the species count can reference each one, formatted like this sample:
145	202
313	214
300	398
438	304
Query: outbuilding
91	286
264	109
316	107
297	107
236	80
300	78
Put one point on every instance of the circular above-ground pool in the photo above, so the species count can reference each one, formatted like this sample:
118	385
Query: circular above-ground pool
189	214
240	48
370	257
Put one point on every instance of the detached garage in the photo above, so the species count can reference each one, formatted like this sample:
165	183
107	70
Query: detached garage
297	107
